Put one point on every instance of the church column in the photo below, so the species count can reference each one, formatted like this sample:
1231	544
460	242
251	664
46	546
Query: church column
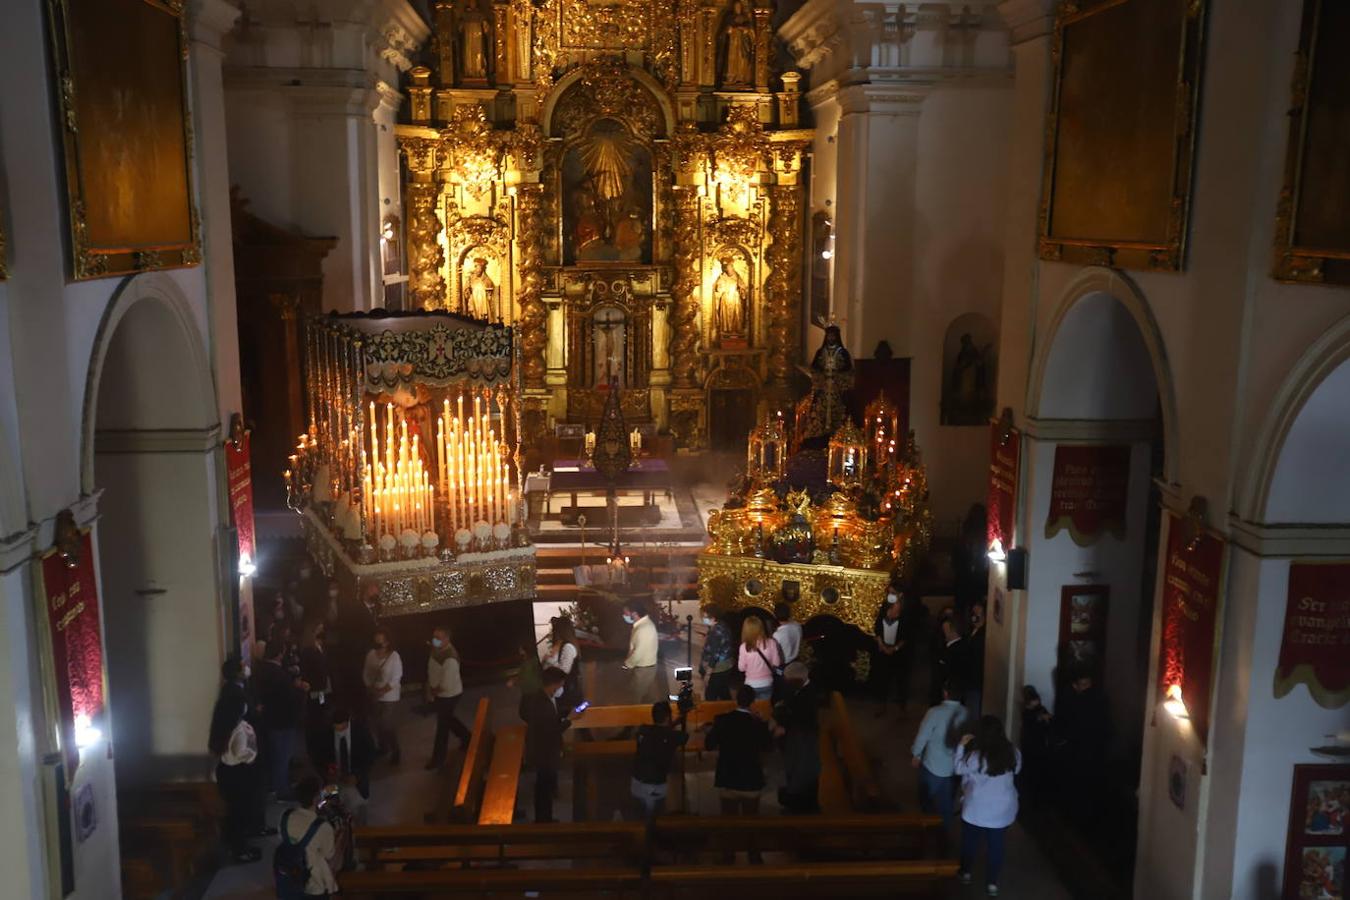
685	290
533	326
426	286
783	288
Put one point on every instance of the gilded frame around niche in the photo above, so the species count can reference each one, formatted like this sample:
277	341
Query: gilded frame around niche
121	77
1120	132
1312	222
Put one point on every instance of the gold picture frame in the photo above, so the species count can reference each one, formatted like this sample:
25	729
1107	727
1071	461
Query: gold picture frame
1312	223
1120	132
121	77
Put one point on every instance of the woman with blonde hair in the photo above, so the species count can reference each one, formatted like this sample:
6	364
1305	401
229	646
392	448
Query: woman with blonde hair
761	659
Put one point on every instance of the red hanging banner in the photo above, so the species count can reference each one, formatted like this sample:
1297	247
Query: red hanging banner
1316	647
239	473
1005	447
70	594
1088	492
1192	584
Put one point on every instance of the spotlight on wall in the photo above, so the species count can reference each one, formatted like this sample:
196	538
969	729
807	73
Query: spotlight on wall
826	254
86	735
1174	704
996	551
247	566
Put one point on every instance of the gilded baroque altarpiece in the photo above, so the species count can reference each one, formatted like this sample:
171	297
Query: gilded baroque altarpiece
621	180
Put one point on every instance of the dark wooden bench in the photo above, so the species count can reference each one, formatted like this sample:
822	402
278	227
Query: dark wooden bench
499	793
467	844
607	881
921	878
891	836
832	789
468	789
862	783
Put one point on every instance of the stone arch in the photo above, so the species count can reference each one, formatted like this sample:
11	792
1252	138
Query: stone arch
1094	282
193	388
1291	452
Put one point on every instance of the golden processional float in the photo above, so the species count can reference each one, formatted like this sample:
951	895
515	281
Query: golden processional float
407	479
825	536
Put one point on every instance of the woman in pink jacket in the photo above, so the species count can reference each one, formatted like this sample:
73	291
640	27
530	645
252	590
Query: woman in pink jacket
760	657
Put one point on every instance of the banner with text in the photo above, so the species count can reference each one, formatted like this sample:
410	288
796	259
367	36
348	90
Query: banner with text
239	471
1192	584
1089	490
1005	447
1316	647
70	595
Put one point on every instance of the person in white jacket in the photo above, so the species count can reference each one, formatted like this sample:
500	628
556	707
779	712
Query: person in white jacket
986	762
383	677
444	688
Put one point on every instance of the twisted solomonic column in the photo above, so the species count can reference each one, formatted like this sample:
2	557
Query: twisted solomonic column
684	291
532	330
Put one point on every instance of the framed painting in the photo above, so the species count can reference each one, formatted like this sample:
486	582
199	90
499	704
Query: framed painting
1120	135
1312	221
1083	612
120	68
1319	833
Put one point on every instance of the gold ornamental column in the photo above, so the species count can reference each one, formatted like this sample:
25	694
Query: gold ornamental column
684	291
533	324
426	285
783	288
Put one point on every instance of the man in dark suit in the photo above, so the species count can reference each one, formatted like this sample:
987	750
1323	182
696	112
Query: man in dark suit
740	737
797	723
544	738
281	698
343	753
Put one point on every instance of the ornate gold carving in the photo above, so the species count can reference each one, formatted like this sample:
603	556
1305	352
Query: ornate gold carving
474	149
783	287
425	256
739	150
685	290
737	582
533	329
608	25
607	88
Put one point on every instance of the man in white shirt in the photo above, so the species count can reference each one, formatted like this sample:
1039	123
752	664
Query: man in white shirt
934	751
788	634
321	851
643	646
384	678
444	688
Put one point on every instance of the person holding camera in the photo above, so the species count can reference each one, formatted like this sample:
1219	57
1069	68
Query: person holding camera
657	745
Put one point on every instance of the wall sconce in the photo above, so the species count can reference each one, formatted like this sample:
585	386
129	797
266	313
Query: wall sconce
996	551
246	566
1174	704
86	735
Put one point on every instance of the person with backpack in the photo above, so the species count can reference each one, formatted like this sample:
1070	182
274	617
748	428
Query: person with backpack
987	764
761	659
301	864
934	754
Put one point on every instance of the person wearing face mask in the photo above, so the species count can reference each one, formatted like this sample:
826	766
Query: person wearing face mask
344	757
562	653
315	673
973	664
546	718
643	646
718	661
238	774
383	675
444	688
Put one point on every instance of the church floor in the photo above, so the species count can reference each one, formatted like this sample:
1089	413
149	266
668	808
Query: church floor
407	794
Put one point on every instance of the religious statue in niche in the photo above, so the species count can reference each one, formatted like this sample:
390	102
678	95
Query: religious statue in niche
474	44
607	204
478	296
968	371
823	410
738	48
730	296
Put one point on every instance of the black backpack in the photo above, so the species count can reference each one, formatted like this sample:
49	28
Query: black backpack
290	868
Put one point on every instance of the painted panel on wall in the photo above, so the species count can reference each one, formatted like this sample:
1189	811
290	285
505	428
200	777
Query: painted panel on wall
1121	131
1315	649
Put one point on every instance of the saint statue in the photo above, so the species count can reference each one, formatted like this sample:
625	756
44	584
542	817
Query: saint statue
738	67
479	291
729	300
824	410
473	33
965	400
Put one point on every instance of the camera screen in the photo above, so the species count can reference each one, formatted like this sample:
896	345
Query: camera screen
684	673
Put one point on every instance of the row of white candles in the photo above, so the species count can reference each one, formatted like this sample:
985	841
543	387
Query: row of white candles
396	490
470	470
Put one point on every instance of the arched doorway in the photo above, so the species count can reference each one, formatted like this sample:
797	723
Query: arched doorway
1099	427
151	437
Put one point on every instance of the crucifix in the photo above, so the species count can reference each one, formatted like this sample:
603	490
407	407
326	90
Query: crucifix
609	363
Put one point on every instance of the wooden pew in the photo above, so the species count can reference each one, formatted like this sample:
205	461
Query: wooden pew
495	882
862	783
630	716
466	844
923	878
178	840
890	836
831	790
499	793
464	805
